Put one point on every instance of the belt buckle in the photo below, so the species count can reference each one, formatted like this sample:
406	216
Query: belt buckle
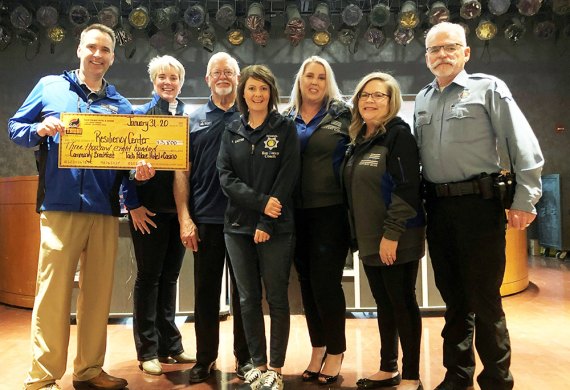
442	190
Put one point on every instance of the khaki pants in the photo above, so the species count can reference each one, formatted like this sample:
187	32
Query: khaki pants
66	238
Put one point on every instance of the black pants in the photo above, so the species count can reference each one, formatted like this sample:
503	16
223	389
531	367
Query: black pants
159	259
466	240
208	271
268	262
394	290
323	238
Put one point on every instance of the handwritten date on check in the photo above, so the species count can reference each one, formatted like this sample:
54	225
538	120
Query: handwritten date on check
100	141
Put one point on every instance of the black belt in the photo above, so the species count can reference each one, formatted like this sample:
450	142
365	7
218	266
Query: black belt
442	190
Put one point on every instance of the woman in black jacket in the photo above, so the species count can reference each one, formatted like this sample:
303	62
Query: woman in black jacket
381	176
156	238
259	167
322	119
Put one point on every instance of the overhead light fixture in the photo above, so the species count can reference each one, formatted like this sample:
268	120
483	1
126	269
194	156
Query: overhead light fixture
195	16
438	12
139	18
498	7
5	37
123	35
79	15
159	40
56	34
351	15
529	7
109	16
515	30
320	19
164	17
545	29
486	30
561	7
379	15
47	16
295	26
226	16
21	17
375	36
207	38
470	9
260	37
28	36
236	36
321	38
409	16
403	36
182	35
346	35
255	19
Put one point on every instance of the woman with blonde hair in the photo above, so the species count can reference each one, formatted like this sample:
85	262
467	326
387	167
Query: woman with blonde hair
322	119
381	177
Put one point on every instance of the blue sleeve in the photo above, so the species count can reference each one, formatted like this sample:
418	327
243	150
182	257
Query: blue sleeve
22	127
130	193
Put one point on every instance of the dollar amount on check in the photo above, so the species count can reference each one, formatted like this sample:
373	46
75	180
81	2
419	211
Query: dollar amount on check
119	141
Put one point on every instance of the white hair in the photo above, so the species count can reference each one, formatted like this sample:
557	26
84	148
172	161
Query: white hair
162	63
223	56
448	27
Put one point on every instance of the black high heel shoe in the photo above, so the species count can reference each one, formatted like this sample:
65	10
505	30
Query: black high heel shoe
324	379
309	376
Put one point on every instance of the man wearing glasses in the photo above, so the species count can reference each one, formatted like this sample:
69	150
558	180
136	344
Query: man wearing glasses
201	205
469	129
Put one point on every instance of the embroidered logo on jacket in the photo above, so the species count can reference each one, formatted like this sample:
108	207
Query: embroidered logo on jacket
333	126
271	142
371	161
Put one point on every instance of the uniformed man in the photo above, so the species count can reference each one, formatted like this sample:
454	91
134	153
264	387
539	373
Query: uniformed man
468	129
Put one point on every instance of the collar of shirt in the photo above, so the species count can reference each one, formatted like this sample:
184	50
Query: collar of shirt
212	106
305	130
92	95
461	79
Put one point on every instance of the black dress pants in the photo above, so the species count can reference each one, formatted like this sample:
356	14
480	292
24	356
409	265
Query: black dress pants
466	240
323	238
394	291
159	259
209	263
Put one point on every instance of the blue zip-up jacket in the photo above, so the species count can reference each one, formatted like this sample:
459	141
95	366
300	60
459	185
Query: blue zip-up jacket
67	189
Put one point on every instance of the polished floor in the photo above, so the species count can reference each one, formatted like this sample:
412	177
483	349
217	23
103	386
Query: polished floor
538	320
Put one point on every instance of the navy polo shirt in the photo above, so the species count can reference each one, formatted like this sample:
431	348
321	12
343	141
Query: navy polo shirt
207	124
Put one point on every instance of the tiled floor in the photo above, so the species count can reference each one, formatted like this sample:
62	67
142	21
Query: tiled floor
538	318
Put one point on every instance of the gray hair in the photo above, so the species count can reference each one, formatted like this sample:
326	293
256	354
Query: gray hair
220	56
448	27
161	63
331	87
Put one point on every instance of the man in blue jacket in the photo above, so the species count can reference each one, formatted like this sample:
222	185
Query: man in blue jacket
78	209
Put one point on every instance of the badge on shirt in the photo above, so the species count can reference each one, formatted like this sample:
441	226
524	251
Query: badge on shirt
464	94
204	123
271	142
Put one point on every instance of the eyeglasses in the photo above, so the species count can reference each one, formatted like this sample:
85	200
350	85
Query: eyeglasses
449	49
376	96
226	72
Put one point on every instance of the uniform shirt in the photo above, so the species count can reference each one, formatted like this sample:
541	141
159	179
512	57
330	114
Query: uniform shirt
473	126
207	124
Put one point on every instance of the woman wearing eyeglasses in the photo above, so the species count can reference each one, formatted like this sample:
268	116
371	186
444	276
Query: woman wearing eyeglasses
322	119
258	165
381	177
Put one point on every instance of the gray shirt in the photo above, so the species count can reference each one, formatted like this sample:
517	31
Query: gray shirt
474	126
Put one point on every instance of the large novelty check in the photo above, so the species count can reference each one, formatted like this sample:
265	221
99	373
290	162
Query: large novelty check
118	141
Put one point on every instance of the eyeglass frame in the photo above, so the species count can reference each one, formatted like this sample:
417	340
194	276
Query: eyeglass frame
229	73
449	48
374	98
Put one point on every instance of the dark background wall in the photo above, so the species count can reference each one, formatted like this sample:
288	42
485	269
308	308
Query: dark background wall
537	71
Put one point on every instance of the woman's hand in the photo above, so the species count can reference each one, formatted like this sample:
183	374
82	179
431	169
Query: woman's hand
388	251
141	219
260	236
273	208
